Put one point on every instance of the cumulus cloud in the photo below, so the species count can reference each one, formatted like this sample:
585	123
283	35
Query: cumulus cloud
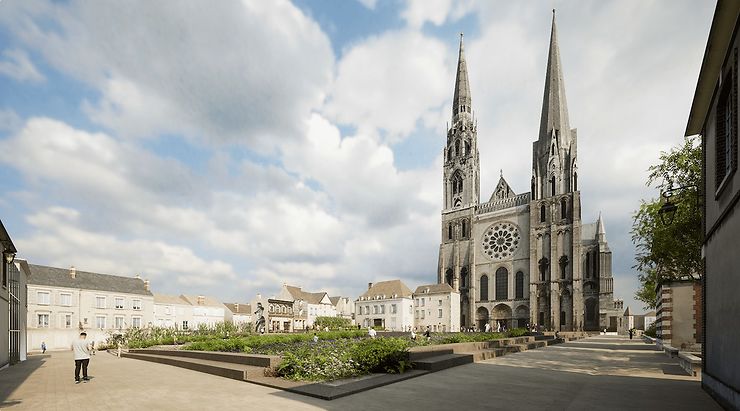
390	82
437	12
16	64
226	71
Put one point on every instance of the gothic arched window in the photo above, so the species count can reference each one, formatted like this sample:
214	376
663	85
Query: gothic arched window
563	265
464	277
448	277
449	231
534	194
464	229
484	288
519	289
542	213
457	147
544	263
575	181
563	209
502	284
552	185
588	265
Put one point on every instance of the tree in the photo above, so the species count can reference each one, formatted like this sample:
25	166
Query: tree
670	251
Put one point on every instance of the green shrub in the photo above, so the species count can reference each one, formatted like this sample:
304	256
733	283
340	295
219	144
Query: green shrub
652	330
334	323
382	355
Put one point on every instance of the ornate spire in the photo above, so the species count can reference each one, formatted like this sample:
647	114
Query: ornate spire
554	106
461	102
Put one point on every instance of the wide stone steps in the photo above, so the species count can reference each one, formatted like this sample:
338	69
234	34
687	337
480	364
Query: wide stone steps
443	361
231	370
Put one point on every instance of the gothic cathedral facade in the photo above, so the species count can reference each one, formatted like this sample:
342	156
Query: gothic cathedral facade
523	258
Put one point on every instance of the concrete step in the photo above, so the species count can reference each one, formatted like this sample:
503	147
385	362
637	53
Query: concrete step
487	354
257	360
420	355
553	341
441	362
223	369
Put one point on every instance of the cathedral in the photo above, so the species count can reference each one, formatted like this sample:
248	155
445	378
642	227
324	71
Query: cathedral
526	258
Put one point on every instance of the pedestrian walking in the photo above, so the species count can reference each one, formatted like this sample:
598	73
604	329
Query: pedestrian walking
371	332
631	331
428	333
413	335
43	347
81	349
488	327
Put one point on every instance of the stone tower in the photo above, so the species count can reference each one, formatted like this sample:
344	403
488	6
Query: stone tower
556	289
461	188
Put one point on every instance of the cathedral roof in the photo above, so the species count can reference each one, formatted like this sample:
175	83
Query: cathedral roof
554	105
503	190
462	86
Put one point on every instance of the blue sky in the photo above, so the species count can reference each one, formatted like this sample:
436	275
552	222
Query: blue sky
227	149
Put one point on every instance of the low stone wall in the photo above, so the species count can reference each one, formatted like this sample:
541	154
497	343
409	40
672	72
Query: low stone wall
690	363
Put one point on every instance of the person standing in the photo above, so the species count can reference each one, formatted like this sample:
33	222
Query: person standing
43	347
488	328
371	332
428	333
81	350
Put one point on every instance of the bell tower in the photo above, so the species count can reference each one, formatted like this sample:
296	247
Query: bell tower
461	188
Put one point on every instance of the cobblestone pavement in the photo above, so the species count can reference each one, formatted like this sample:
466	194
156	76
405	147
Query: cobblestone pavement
605	372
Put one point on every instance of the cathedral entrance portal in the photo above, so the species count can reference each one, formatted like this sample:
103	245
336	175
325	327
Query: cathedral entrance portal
502	315
481	315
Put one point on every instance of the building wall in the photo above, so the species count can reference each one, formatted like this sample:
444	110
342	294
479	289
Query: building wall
4	321
83	312
178	316
401	320
208	315
319	310
441	312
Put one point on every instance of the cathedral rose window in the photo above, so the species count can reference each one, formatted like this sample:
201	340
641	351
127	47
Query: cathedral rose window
500	240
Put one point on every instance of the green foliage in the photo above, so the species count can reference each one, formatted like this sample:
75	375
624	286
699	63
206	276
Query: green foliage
238	344
151	336
334	323
382	355
652	330
669	252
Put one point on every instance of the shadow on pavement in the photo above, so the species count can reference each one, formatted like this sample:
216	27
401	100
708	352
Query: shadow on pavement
12	377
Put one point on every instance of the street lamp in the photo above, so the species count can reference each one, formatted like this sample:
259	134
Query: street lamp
9	256
668	210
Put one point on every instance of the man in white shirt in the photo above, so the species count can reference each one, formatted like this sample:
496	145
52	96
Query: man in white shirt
371	332
81	351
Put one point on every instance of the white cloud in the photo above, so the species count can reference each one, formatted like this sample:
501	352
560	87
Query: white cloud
17	65
244	72
9	120
437	12
390	82
369	4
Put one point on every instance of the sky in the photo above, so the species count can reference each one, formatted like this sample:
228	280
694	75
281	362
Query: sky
225	148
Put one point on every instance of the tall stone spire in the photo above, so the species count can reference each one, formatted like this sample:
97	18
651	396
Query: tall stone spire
554	106
461	102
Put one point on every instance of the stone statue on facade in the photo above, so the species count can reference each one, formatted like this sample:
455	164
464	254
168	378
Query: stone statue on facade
260	321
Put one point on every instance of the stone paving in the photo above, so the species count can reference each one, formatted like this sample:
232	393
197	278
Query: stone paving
605	372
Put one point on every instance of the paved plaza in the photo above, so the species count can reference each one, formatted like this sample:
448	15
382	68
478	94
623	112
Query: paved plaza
605	372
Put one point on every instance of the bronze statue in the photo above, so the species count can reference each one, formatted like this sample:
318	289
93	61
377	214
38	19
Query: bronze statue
260	323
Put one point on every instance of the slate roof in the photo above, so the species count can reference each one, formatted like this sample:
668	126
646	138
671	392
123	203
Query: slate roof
335	300
242	308
387	289
433	288
627	312
59	277
310	298
169	299
207	301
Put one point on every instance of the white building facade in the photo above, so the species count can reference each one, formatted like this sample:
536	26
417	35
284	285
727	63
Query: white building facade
207	311
64	302
437	306
386	305
172	311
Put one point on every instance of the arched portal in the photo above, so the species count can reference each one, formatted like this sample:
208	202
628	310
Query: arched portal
502	314
481	316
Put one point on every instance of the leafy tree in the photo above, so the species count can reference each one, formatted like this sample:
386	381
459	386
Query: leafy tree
670	251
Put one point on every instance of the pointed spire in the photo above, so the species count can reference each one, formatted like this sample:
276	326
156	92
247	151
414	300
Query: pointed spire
461	102
600	225
554	106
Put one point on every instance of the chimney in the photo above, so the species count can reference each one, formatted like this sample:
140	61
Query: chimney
369	285
236	306
146	284
72	272
201	300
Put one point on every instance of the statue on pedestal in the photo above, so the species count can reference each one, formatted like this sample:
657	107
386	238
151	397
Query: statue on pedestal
260	319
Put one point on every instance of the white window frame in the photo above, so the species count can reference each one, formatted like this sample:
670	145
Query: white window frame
40	323
98	322
439	315
136	305
62	297
185	324
47	299
98	299
64	320
134	321
119	306
122	320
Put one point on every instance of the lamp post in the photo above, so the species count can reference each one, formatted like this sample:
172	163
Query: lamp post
668	210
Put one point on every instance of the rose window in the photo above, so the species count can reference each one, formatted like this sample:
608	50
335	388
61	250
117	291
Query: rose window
500	240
